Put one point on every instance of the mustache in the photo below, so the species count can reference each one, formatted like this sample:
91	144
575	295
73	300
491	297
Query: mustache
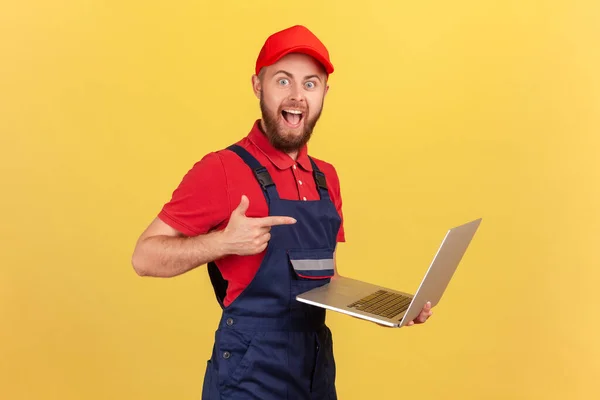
295	105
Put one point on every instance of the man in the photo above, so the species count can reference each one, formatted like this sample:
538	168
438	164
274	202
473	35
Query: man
266	219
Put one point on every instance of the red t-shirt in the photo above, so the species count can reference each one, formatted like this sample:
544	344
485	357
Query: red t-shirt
213	188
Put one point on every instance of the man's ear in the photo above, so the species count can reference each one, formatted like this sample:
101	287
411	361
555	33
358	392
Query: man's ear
326	90
256	86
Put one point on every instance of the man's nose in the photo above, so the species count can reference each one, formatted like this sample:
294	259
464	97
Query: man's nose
297	92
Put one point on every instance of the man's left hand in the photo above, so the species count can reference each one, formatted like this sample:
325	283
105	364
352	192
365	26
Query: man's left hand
423	315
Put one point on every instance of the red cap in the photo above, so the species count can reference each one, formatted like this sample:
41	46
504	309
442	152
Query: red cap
296	39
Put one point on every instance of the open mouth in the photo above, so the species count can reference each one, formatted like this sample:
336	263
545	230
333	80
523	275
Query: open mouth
292	117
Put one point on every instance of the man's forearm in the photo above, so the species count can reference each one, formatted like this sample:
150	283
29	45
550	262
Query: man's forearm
166	256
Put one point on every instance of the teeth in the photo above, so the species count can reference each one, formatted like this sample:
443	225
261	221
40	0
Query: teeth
293	111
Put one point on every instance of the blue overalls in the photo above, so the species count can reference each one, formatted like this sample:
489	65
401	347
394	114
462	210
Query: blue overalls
268	345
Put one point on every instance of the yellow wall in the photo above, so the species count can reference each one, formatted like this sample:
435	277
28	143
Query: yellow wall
439	112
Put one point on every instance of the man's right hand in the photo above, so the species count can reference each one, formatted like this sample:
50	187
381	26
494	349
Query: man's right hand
247	236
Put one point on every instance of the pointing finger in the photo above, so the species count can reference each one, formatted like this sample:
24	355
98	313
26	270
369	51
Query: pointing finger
272	221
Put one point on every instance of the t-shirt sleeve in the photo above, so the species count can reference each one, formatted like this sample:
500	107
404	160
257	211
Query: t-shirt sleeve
200	202
333	186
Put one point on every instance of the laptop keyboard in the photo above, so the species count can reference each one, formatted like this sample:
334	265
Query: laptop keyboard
383	303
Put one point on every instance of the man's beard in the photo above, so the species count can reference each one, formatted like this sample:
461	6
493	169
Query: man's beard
281	140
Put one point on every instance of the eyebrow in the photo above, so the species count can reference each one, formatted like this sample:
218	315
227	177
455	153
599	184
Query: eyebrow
292	76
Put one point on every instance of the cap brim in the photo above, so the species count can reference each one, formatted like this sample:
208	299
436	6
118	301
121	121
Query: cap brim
308	51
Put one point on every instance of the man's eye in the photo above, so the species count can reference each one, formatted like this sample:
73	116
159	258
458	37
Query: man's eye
310	85
283	81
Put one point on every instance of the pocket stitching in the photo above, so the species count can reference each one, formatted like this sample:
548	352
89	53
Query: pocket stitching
238	372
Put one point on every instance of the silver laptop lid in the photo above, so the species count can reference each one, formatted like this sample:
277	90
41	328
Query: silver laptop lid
443	266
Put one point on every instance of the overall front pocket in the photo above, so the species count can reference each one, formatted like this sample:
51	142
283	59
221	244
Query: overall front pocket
236	349
311	264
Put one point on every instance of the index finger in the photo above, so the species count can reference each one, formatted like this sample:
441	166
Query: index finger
275	220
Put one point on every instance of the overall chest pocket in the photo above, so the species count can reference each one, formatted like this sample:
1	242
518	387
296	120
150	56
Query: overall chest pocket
311	264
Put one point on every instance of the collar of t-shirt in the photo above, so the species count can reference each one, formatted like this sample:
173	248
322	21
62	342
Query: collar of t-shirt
279	158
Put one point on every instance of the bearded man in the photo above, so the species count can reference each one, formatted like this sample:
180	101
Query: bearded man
248	212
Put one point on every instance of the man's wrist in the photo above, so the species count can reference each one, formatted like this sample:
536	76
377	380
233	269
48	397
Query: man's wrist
218	243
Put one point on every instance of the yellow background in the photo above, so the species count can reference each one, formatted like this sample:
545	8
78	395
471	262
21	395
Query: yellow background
439	112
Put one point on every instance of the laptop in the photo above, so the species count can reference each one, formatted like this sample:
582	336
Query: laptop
388	306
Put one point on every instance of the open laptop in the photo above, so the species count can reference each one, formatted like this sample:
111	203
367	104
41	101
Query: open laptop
392	307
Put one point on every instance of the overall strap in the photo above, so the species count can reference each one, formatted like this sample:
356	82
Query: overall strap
219	283
260	172
320	180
